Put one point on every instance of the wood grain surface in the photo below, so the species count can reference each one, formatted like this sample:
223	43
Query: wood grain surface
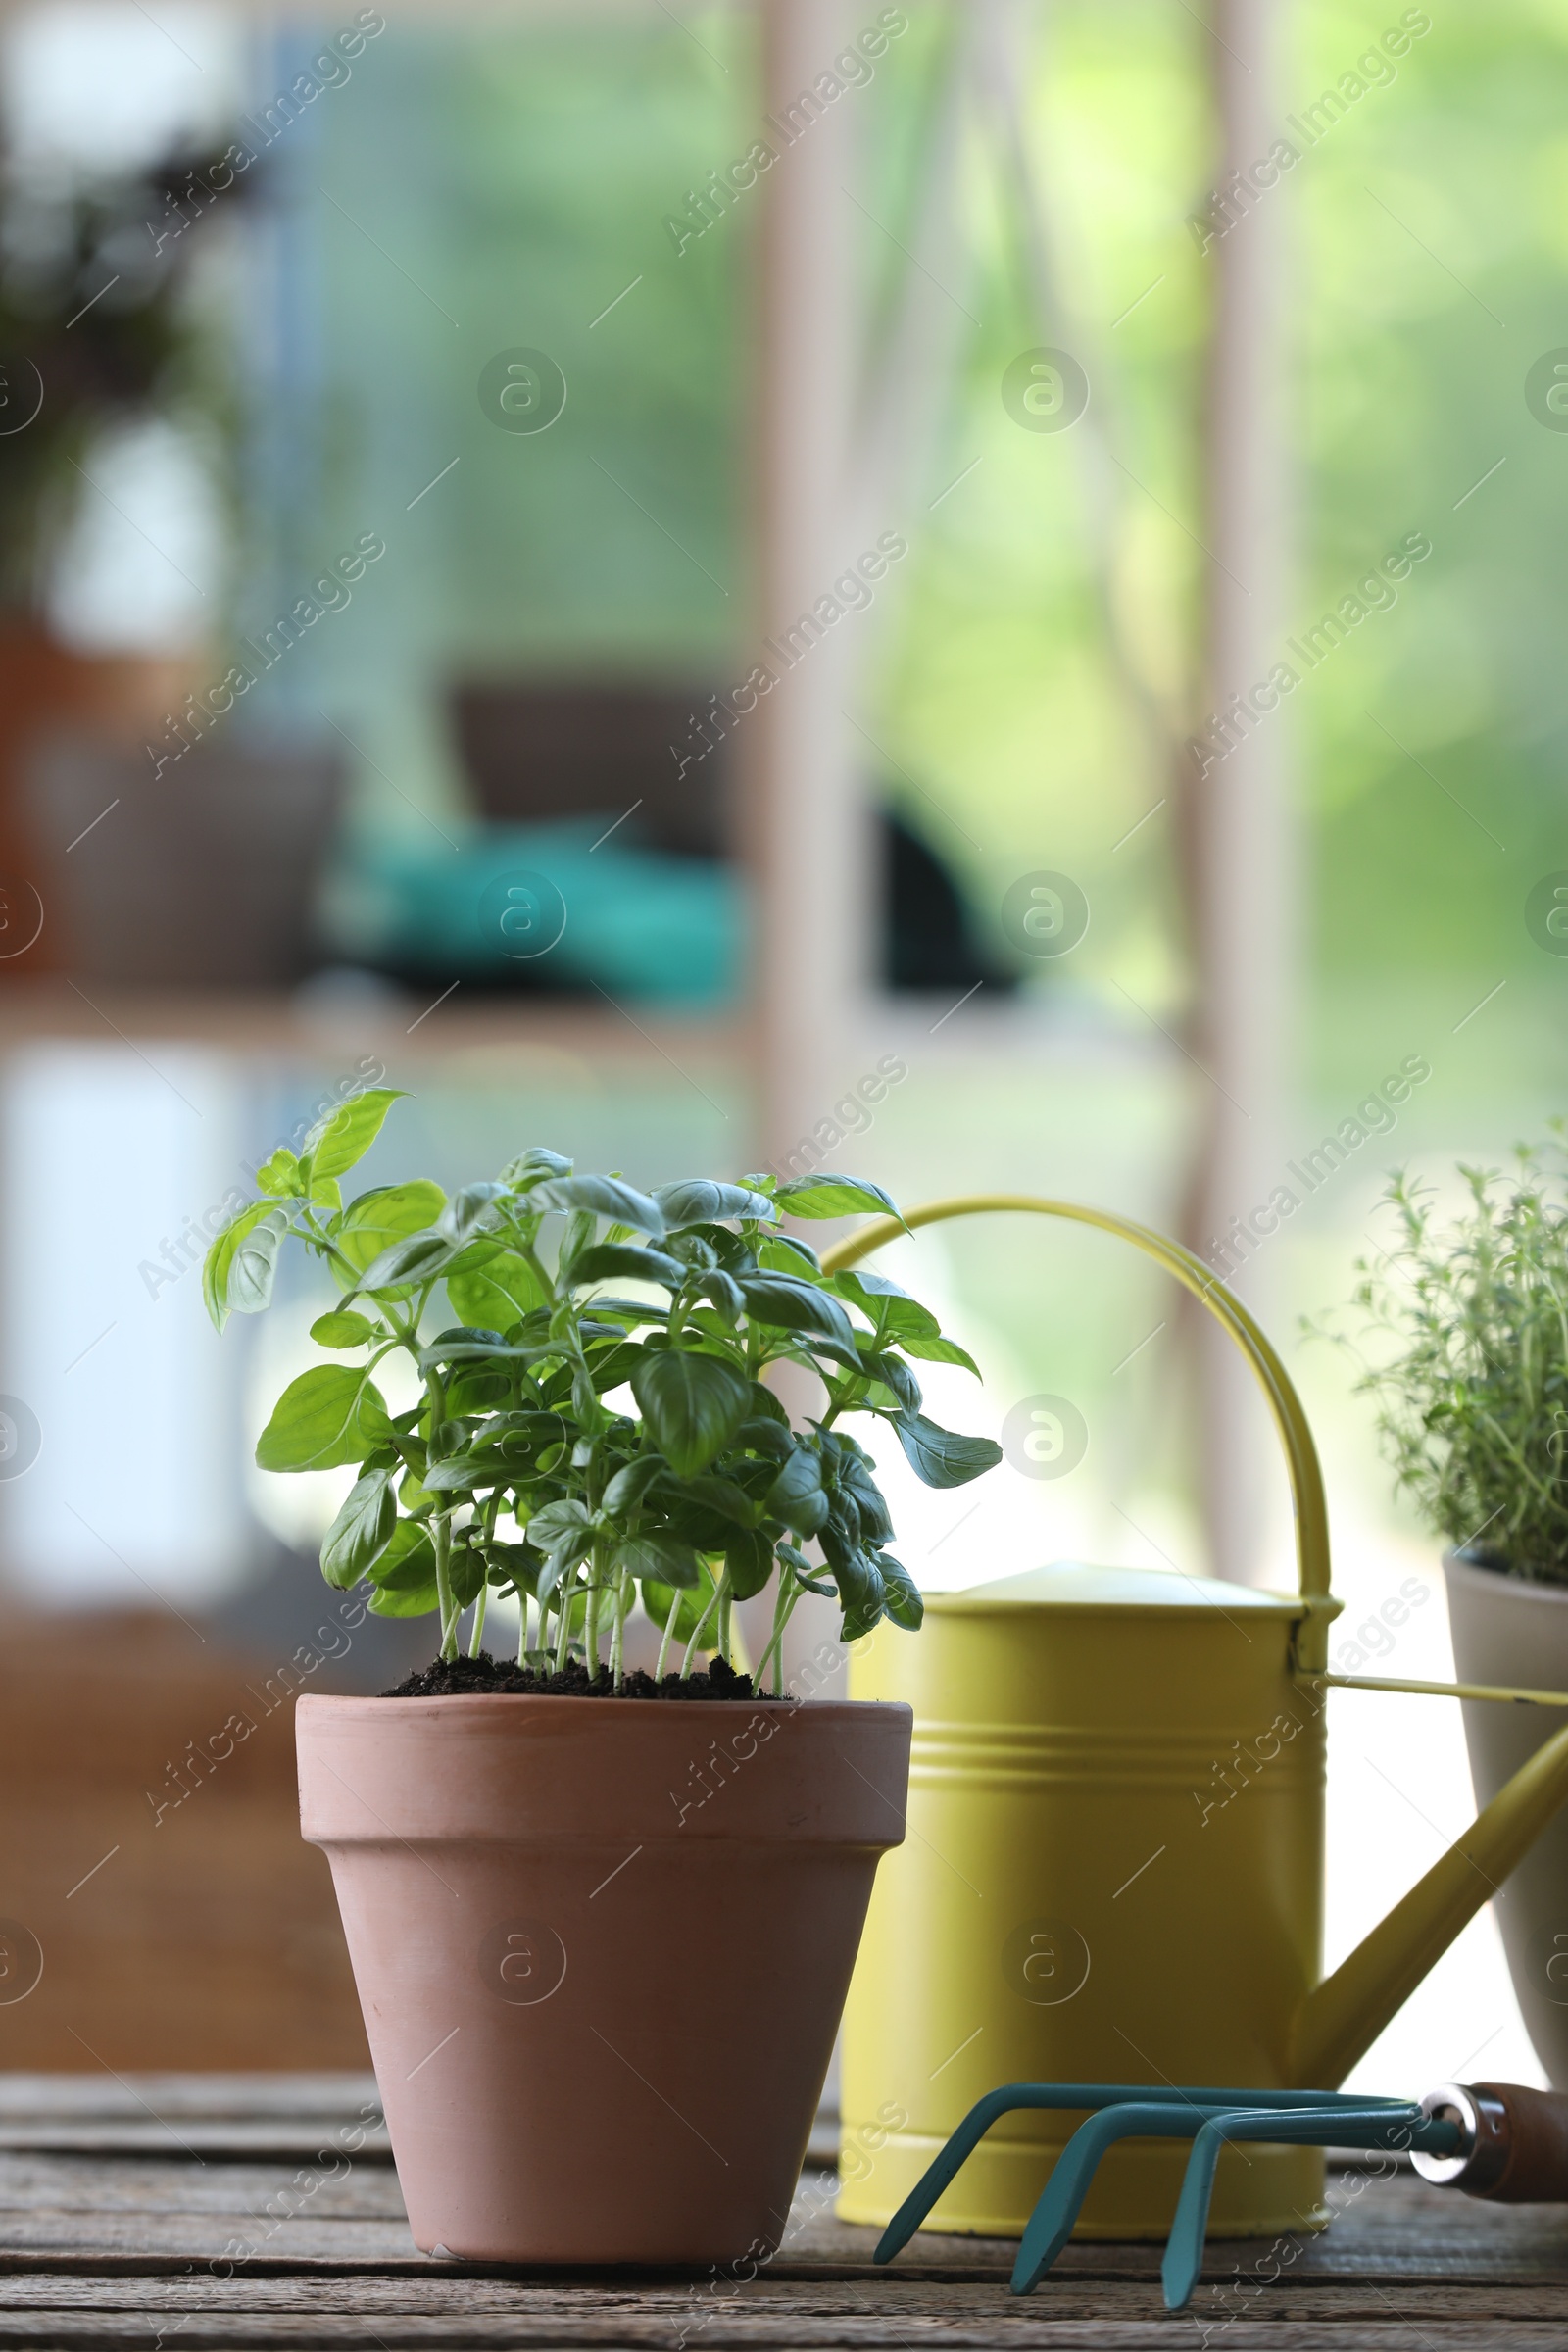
154	2211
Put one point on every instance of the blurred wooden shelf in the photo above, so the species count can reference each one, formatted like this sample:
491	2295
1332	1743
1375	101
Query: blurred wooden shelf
309	1022
470	1030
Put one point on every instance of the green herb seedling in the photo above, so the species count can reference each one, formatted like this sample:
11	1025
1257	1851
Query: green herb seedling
1469	1325
514	1475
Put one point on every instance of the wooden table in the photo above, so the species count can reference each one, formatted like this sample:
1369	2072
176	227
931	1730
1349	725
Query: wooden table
218	2213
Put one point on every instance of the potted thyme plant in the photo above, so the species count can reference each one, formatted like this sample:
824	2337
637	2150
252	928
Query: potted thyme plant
1468	1318
602	1944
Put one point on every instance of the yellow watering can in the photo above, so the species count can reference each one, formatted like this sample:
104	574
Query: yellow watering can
1114	1870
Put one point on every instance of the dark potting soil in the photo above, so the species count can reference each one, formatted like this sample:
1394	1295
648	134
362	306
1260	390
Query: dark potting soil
457	1678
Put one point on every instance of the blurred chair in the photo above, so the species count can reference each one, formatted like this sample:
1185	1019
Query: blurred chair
536	750
201	877
930	937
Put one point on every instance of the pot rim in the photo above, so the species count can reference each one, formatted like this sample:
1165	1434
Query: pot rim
1491	1580
552	1770
418	1707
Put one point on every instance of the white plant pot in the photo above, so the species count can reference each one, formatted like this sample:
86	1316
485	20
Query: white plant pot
1510	1632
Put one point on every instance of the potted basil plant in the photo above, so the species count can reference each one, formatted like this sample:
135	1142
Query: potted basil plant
600	1941
1468	1325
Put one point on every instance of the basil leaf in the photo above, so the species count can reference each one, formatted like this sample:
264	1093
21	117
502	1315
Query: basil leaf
279	1175
529	1167
466	1573
519	1436
220	1258
693	1404
331	1415
409	1559
940	1456
608	1259
519	1562
343	1329
344	1135
893	1375
461	1473
414	1499
797	1494
937	1350
901	1597
476	1208
708	1494
361	1530
610	1367
389	1601
871	1510
373	1222
564	1556
697	1200
695	1606
725	1293
558	1520
765	1435
833	1197
417	1257
807	1571
499	1293
663	1559
602	1197
787	1254
749	1560
860	1582
891	1309
632	1481
790	1305
255	1263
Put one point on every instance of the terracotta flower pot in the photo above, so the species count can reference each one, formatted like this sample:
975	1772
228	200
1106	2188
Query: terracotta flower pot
602	1946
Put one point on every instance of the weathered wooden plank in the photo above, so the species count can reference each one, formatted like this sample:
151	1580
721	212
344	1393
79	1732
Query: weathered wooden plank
86	2209
110	2249
248	2097
102	2333
395	2314
285	2118
95	2186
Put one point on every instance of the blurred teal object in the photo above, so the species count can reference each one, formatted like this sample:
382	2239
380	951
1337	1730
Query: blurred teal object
542	907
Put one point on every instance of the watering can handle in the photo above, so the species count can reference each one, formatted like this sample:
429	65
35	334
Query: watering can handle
1300	1455
1336	2022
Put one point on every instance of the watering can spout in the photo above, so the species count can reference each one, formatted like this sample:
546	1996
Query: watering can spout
1339	2022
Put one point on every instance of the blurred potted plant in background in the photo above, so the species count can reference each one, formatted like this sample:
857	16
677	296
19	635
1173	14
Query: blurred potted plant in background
97	335
1469	1320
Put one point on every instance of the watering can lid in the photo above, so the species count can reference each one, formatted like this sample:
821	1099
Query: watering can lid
1073	1584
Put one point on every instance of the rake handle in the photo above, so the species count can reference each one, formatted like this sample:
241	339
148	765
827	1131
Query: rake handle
1520	2145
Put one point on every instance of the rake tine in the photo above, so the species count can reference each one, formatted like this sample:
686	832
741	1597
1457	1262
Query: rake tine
1347	2125
1054	2217
960	2146
1098	2098
967	2135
